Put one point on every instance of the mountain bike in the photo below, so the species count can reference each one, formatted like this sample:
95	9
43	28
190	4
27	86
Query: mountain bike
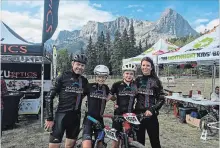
130	122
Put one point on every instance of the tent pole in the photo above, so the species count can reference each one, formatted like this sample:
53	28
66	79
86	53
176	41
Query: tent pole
157	66
42	91
214	76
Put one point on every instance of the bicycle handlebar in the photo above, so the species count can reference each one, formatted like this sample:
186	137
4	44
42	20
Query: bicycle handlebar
121	117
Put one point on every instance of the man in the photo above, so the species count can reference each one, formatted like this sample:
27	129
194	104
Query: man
4	91
70	87
97	94
215	95
125	92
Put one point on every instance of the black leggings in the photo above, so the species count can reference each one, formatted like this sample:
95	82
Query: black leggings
152	127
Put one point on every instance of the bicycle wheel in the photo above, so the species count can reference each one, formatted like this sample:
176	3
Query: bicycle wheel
203	124
135	144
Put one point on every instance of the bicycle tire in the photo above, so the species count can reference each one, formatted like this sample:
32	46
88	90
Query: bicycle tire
135	144
204	121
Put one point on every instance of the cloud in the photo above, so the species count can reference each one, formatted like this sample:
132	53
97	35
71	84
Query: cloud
97	5
72	15
198	21
208	13
139	10
209	26
134	6
26	3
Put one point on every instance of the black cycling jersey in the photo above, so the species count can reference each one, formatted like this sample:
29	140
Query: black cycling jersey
150	94
71	89
125	95
97	95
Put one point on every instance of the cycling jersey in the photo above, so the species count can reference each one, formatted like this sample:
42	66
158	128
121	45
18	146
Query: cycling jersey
70	88
150	94
125	95
96	96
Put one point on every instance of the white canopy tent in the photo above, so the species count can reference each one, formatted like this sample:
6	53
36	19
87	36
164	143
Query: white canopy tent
160	47
204	50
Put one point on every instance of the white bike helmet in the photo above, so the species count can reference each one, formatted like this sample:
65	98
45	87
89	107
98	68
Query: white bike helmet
129	67
101	70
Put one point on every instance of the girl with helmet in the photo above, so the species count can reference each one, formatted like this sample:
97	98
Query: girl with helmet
97	94
125	91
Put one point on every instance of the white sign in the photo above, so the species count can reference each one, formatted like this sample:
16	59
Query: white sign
167	79
110	133
29	106
17	84
131	118
21	59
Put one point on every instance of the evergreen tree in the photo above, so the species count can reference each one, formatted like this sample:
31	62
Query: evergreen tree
108	50
126	50
116	56
100	48
70	60
140	50
81	51
63	62
132	42
91	55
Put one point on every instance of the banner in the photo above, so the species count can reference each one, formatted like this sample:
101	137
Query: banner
50	19
18	71
185	57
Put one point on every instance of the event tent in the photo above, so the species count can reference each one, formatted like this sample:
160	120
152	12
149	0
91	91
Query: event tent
13	44
160	47
204	49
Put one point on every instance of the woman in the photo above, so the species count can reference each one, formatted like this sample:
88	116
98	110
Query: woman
150	99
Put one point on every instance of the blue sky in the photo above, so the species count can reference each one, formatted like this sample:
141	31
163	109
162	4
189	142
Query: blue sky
74	14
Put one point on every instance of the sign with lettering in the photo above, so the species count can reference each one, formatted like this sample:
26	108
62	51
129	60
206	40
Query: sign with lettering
110	133
131	118
184	57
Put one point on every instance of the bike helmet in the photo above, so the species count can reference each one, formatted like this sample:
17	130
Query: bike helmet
80	58
129	67
101	70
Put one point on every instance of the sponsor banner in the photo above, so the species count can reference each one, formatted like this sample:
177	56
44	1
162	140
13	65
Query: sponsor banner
20	71
50	19
15	49
210	55
23	59
17	84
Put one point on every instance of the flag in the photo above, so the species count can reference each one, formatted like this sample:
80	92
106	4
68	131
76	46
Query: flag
50	19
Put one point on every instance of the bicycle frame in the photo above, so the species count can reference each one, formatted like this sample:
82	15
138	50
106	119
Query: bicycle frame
127	127
213	123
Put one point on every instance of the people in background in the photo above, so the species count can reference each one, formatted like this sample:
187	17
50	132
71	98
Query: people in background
215	95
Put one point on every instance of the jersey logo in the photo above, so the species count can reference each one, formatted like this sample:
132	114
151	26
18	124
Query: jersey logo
74	88
128	91
98	94
143	89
